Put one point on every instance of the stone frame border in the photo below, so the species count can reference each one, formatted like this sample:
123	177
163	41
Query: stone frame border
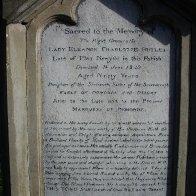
25	69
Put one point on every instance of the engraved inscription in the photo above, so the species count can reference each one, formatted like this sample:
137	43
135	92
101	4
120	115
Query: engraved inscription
107	103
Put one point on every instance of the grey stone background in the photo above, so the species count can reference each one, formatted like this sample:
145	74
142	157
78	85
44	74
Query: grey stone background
10	5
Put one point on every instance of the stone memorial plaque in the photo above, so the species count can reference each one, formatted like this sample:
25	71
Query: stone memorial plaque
108	103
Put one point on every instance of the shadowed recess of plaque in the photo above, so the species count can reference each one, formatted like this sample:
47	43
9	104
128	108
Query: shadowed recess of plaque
108	103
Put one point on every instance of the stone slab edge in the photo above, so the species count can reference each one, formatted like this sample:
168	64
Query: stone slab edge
17	110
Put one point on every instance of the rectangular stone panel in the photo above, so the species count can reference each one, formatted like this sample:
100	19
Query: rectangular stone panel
108	103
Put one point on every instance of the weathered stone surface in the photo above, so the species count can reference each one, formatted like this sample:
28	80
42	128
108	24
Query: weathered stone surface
17	111
107	103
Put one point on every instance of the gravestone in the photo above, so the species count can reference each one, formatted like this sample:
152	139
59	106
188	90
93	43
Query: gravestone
103	98
106	103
